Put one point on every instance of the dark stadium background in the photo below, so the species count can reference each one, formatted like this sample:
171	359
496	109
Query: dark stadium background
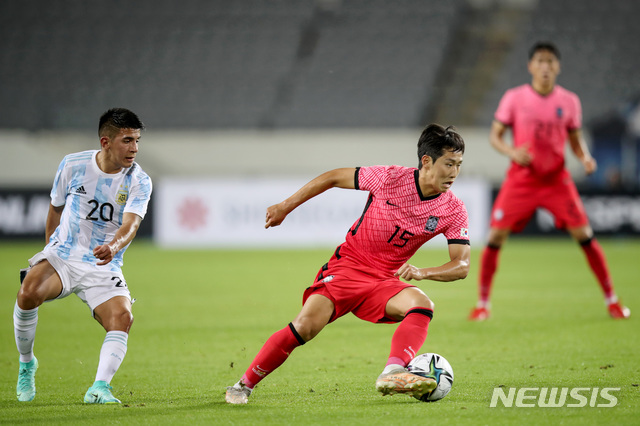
316	66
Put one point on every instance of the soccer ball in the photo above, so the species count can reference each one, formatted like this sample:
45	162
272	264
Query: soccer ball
436	367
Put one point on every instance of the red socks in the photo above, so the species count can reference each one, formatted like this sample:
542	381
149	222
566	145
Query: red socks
592	250
406	341
598	264
488	266
274	352
409	336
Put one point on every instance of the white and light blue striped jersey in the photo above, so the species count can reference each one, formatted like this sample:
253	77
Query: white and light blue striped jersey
94	204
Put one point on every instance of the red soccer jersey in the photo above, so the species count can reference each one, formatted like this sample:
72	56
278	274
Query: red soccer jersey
398	219
543	122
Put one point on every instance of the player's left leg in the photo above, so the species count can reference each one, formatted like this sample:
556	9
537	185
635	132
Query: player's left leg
116	318
414	310
598	264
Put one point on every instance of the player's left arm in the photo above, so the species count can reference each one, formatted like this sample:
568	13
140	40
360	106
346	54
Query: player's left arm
581	151
124	235
455	269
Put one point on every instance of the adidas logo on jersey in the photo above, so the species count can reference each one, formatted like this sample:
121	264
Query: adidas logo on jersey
81	190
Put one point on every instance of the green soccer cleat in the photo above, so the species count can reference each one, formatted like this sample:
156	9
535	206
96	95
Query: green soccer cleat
100	393
26	387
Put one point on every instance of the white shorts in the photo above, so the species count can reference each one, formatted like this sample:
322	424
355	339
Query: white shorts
91	283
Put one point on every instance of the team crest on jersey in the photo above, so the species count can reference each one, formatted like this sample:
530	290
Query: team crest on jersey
559	112
121	197
432	223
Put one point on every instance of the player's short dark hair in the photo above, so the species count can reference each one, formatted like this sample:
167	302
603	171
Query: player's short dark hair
118	118
544	45
436	139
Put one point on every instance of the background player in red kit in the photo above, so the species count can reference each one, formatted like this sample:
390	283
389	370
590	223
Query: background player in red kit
406	208
541	116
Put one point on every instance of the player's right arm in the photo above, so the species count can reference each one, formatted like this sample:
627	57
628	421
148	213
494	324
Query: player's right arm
337	178
519	155
53	220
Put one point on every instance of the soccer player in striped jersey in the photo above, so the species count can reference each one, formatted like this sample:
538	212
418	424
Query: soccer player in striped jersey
542	116
98	200
406	208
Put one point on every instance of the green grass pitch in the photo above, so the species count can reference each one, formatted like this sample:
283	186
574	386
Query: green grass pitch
202	315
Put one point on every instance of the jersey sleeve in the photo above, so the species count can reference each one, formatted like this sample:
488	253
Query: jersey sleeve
458	230
504	113
59	189
574	121
373	178
140	195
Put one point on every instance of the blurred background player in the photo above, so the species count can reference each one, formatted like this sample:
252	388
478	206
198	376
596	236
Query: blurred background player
406	208
541	116
98	200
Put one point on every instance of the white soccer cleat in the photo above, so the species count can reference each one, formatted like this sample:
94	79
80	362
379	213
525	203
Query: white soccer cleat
237	394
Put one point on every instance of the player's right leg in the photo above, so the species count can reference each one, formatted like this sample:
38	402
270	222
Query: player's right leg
313	317
488	267
41	283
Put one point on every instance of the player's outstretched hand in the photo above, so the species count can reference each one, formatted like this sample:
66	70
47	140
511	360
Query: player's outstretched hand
275	215
409	272
104	253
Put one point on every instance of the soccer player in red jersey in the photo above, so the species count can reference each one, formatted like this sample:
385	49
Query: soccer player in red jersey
405	209
542	116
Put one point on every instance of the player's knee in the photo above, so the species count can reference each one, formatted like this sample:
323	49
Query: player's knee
121	320
421	300
497	238
428	304
307	327
29	297
126	320
305	331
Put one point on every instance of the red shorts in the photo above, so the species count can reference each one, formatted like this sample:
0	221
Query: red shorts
517	201
356	288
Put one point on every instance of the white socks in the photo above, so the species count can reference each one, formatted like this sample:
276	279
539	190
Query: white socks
24	326
112	353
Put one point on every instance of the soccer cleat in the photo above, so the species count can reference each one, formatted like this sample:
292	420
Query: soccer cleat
100	393
237	394
26	387
401	381
618	311
479	314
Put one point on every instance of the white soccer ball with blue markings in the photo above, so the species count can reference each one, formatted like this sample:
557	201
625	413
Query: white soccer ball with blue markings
437	367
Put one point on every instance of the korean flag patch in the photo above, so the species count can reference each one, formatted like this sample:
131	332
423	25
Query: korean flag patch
464	233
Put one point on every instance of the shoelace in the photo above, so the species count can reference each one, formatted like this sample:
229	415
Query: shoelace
102	396
24	379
